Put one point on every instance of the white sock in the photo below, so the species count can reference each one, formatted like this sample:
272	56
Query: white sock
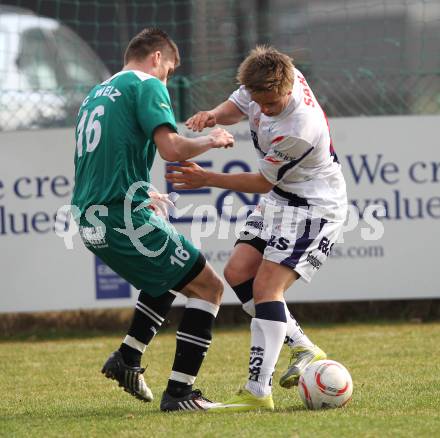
295	335
249	307
267	338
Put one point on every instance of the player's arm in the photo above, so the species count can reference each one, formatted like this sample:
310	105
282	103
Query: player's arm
191	176
284	155
174	147
156	118
227	113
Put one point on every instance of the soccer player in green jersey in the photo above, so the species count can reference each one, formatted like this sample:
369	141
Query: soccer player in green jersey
120	125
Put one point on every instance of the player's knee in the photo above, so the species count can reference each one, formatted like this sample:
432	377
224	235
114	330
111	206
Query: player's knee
233	275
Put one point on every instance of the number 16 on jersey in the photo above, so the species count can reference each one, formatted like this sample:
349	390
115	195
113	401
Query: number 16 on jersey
93	130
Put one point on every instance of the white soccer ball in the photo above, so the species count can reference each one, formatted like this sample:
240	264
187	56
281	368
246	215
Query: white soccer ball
325	384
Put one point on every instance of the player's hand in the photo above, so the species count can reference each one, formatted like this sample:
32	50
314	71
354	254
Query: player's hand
201	120
187	175
160	203
221	138
160	196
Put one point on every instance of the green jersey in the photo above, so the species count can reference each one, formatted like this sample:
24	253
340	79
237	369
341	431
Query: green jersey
114	138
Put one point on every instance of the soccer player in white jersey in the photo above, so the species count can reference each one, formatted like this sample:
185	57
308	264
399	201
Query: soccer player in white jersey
292	230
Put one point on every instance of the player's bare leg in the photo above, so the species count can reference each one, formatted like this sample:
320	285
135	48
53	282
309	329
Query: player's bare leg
192	342
206	286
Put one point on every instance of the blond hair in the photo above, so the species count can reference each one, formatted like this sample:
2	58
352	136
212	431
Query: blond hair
266	69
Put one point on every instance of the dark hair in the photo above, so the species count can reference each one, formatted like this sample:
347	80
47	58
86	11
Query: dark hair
148	41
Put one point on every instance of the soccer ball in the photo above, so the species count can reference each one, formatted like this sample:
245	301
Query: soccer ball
325	384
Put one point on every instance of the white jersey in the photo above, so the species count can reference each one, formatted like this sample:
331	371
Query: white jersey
296	152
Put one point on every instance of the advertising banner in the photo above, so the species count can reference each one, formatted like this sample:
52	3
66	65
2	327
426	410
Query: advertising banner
387	250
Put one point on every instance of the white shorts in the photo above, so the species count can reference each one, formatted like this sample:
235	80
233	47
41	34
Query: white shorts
297	237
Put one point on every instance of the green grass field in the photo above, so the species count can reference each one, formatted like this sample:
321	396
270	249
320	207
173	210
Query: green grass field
53	387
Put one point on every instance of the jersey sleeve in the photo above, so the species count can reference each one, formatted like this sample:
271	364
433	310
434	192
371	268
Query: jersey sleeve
283	157
241	99
153	107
